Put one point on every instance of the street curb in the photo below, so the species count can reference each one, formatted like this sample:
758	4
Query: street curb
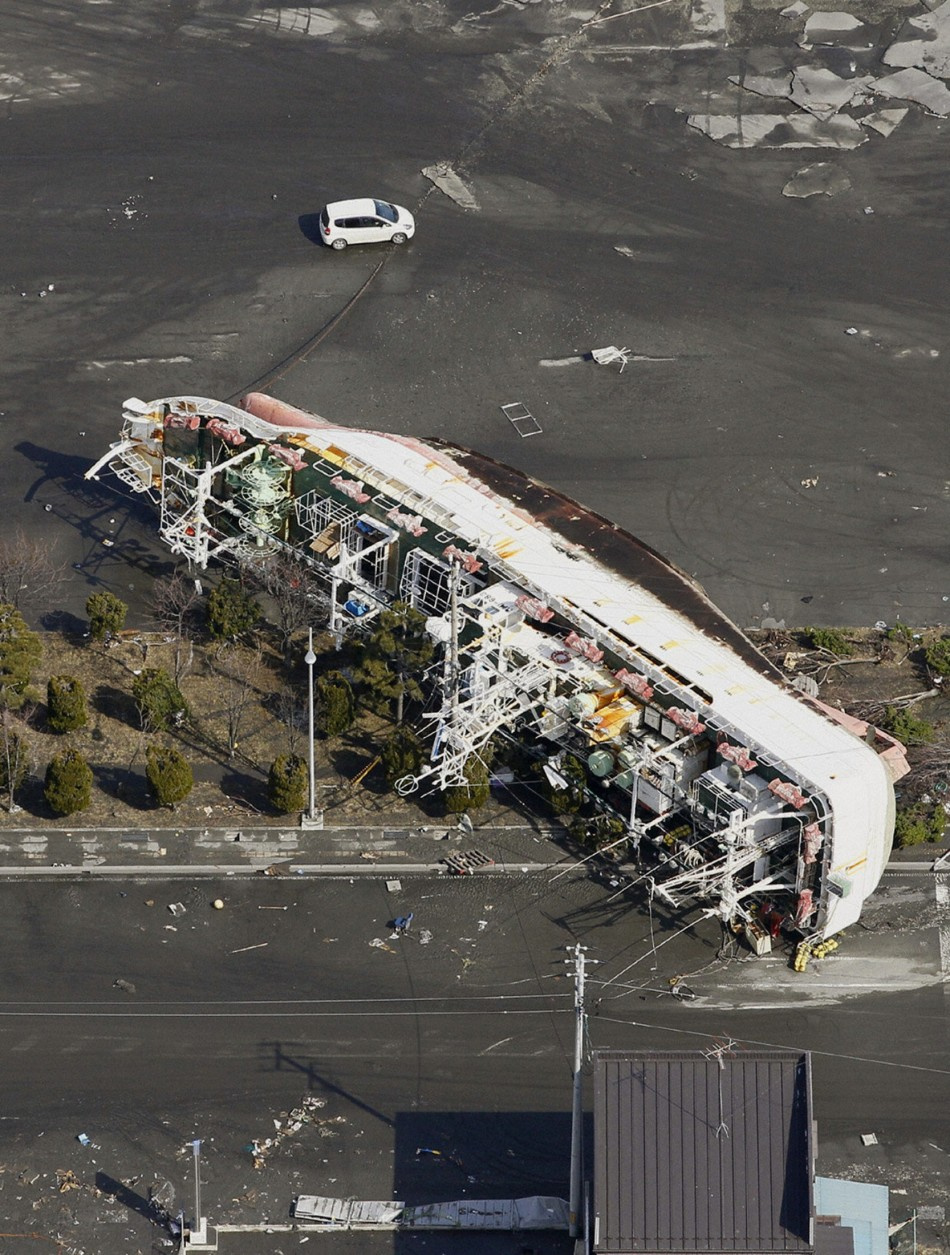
230	871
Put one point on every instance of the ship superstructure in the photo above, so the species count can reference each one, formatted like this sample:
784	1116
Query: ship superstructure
557	627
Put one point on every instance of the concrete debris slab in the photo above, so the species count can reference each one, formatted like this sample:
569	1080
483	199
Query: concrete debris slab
924	41
884	121
772	130
868	1139
774	85
836	28
708	17
794	10
822	92
821	179
449	183
913	84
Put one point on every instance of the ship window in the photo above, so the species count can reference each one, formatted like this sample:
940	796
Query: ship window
427	583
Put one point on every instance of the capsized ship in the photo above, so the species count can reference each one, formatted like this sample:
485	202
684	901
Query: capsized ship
559	629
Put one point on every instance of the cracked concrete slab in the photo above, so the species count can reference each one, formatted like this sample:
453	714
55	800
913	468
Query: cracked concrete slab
449	183
771	130
823	93
778	86
924	41
821	179
884	121
916	85
837	28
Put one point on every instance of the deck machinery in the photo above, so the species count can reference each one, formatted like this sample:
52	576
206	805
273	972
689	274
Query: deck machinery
557	628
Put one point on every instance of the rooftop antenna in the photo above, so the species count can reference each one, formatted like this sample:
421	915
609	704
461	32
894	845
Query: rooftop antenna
718	1053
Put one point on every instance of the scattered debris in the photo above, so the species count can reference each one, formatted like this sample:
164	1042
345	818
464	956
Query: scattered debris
868	1139
125	985
83	1139
66	1180
810	483
798	9
393	886
259	946
278	869
176	908
425	937
218	904
290	1123
448	182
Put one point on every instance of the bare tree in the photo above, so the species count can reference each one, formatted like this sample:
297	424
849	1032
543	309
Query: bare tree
296	594
28	569
16	756
175	600
290	708
242	672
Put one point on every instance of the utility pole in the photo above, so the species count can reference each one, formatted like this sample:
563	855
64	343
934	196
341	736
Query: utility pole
199	1229
577	1113
310	658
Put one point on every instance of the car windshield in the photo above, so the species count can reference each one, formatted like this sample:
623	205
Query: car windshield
387	211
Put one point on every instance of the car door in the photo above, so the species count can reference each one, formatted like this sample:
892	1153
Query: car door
375	230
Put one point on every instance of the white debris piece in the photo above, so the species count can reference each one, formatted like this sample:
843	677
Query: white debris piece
913	84
794	10
836	28
449	183
884	121
772	130
610	355
924	41
822	92
868	1139
821	179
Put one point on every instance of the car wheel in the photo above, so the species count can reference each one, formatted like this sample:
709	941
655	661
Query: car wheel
338	244
399	237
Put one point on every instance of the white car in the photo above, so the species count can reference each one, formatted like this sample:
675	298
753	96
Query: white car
365	222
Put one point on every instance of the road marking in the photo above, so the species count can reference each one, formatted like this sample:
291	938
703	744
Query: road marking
488	1049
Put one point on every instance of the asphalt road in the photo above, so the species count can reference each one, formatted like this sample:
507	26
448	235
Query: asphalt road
457	1037
163	165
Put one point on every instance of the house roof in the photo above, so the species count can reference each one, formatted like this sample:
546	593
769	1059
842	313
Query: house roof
696	1153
